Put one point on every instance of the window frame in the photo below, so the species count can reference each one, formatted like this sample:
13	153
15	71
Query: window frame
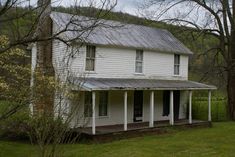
141	61
89	57
106	93
176	65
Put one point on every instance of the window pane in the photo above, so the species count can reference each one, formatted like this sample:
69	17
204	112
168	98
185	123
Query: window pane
88	104
88	65
90	58
139	55
139	61
177	59
138	67
88	52
103	104
176	64
92	65
93	52
176	70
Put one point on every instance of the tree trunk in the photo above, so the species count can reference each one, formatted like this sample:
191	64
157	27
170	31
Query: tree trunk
231	80
231	71
231	94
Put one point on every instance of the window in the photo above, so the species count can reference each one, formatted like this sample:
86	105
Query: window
139	61
103	104
90	58
176	64
88	104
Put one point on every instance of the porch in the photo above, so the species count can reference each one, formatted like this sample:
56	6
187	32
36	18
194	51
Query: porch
126	87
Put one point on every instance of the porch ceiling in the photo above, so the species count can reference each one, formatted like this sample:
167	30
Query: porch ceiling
95	84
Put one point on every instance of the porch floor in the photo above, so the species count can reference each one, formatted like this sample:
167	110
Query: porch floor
109	129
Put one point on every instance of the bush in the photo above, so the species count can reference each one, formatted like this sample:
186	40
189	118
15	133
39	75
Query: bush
15	127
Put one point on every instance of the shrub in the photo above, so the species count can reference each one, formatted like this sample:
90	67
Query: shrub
15	127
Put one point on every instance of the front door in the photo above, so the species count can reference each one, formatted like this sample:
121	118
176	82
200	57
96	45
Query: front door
166	104
138	106
176	104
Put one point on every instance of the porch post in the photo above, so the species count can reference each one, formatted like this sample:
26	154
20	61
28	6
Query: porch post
171	108
209	105
93	113
125	110
151	115
190	107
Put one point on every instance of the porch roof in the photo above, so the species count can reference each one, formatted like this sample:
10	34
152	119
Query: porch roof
95	84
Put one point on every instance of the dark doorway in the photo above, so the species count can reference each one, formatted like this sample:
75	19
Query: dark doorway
176	104
138	106
166	104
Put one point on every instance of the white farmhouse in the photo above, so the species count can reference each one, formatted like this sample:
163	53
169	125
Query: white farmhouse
127	74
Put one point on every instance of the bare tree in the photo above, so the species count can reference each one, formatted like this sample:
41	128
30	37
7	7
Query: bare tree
215	18
13	11
52	96
47	131
37	29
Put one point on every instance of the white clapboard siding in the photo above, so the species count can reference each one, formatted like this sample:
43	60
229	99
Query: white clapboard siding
119	63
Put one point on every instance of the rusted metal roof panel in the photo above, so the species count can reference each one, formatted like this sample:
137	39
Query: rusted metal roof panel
113	33
93	84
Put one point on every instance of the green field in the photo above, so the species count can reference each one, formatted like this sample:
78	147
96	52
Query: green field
217	141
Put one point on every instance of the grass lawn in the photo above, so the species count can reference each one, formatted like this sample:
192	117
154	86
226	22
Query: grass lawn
218	141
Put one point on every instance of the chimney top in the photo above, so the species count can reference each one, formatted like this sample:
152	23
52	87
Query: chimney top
44	7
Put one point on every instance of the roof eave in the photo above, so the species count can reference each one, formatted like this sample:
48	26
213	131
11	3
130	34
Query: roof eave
146	89
142	48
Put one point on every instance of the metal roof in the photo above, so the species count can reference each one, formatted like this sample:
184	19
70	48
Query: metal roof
117	34
94	84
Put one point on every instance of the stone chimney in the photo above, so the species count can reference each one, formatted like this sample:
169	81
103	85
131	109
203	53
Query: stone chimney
44	32
44	93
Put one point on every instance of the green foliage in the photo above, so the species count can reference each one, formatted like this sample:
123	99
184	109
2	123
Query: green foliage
18	23
218	108
15	74
14	87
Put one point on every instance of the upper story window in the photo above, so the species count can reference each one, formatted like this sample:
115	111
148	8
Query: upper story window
90	58
176	64
139	61
103	103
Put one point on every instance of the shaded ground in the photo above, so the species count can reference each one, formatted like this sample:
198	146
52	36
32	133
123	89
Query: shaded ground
204	142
